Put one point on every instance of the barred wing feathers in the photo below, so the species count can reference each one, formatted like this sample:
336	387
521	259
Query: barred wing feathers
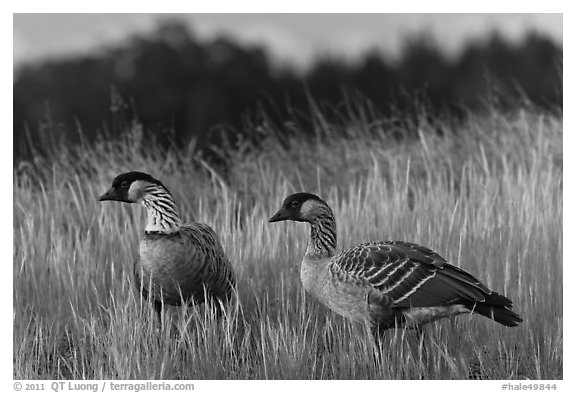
410	275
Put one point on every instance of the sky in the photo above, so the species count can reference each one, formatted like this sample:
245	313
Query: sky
297	39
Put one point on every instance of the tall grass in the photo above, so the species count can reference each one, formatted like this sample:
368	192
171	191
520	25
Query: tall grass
487	195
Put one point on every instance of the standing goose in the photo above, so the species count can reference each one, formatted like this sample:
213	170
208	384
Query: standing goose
386	284
177	261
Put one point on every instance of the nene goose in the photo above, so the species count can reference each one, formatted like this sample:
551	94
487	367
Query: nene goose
177	262
386	284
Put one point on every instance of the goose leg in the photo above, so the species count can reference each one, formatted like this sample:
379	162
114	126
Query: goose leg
422	346
158	310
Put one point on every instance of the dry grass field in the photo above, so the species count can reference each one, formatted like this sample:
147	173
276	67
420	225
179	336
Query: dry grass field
486	194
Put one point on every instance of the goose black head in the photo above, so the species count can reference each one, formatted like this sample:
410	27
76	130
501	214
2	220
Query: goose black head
129	187
300	207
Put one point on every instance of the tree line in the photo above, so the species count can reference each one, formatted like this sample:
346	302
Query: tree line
183	89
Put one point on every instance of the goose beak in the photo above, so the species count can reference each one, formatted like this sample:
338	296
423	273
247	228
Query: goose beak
109	195
279	216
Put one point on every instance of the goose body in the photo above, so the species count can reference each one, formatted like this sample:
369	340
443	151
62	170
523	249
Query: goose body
177	262
386	284
189	264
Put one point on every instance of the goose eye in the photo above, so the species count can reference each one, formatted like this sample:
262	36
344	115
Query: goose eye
295	203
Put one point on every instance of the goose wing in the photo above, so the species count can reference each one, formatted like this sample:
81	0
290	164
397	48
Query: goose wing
409	275
205	262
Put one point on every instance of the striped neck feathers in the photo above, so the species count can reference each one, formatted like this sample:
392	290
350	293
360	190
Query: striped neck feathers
322	234
163	216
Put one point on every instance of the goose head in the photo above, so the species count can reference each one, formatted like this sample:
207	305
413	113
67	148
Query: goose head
130	187
301	207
